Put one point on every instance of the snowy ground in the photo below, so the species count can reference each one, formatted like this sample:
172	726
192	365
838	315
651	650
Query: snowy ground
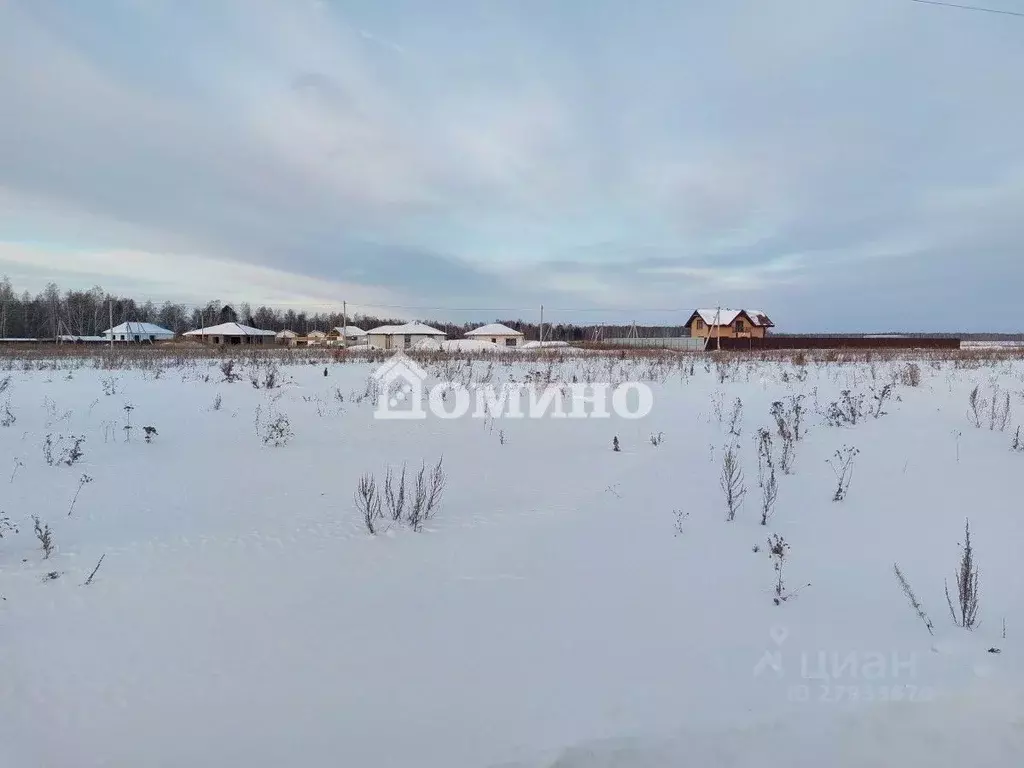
568	605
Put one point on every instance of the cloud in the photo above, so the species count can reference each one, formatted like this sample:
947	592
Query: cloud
834	164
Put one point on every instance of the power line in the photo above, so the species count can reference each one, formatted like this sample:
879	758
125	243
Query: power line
970	8
512	309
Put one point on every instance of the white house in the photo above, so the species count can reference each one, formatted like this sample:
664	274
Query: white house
497	333
286	337
401	336
138	332
348	336
231	333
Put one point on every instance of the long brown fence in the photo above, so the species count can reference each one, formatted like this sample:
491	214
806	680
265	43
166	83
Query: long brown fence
837	342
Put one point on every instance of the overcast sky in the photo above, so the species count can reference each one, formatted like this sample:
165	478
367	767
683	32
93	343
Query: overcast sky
840	164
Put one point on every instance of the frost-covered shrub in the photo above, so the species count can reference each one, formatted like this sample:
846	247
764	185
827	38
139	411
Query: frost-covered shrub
228	373
766	477
878	398
914	602
368	502
786	423
735	418
909	375
842	466
6	526
732	481
847	410
993	411
277	431
965	611
8	418
63	450
45	537
413	504
265	376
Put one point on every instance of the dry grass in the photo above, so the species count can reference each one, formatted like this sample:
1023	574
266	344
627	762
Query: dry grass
48	356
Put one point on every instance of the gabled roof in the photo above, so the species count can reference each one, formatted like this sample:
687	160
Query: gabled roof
141	329
494	329
757	317
286	334
229	329
350	330
713	317
316	334
415	328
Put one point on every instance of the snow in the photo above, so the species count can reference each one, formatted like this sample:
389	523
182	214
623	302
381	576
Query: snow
551	614
545	345
229	329
718	317
458	345
714	317
414	328
350	331
494	329
139	329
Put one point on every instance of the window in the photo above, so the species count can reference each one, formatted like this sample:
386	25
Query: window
699	324
510	342
122	337
739	326
408	340
494	341
152	338
136	337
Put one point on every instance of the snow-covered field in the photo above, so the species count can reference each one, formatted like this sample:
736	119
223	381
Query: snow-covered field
567	605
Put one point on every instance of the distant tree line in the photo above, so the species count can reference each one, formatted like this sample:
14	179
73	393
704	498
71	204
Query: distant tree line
53	313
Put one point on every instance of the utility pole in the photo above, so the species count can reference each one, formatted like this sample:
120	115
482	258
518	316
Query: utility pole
110	306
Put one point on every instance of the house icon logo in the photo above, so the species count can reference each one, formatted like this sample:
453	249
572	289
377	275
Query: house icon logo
773	659
400	389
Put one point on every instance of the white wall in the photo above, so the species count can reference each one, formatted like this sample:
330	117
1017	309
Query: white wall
390	341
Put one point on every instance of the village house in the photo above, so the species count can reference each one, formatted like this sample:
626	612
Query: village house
286	338
142	332
348	336
729	323
231	334
497	333
401	336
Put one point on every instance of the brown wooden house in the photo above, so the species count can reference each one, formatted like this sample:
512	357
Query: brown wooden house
729	323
